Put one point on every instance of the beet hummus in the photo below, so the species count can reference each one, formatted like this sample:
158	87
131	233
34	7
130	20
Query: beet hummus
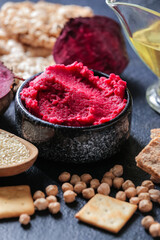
72	96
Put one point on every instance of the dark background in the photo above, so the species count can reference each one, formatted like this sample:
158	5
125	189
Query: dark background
64	226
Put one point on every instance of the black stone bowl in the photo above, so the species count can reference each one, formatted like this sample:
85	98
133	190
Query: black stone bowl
73	144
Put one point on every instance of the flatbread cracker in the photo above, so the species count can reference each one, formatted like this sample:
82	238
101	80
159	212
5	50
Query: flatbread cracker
38	24
106	212
155	133
15	200
149	158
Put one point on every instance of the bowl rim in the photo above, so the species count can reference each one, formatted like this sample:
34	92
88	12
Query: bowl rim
52	125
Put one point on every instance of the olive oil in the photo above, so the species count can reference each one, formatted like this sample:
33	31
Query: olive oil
147	44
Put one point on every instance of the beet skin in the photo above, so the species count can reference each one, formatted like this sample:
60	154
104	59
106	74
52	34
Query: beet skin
97	42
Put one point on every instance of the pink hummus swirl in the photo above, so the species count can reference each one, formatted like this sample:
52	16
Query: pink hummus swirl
72	96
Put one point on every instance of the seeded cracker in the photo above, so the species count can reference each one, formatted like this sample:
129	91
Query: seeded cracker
155	133
38	24
106	212
149	158
15	200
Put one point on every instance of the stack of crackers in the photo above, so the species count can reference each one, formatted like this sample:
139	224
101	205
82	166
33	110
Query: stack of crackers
28	32
149	158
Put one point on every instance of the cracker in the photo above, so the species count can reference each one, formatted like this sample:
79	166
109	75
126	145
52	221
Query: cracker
106	212
38	24
15	200
155	133
149	158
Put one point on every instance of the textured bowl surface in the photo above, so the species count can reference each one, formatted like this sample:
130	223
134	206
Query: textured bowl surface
73	144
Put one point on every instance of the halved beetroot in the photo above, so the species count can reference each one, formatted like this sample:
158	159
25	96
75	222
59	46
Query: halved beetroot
6	81
95	41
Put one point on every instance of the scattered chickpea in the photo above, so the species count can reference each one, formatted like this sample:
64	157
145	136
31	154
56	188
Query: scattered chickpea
54	207
51	190
154	195
67	186
64	177
69	196
107	180
154	229
94	183
88	193
117	182
148	183
24	219
117	170
130	192
147	221
134	200
144	195
127	184
104	189
145	205
121	196
141	189
155	180
86	178
109	174
38	194
74	179
51	199
79	187
41	204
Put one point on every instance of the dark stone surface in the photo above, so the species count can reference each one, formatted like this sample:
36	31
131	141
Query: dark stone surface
64	226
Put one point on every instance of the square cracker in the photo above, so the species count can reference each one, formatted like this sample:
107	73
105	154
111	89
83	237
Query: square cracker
15	200
149	158
106	212
155	133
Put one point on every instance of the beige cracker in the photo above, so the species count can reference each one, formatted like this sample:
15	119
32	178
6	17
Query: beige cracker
155	133
106	212
38	24
149	158
15	200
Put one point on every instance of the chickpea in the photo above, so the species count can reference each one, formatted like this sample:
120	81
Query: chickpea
69	196
154	229
121	196
107	180
52	190
154	195
94	183
144	195
109	174
79	187
64	177
134	200
127	184
130	192
88	193
67	186
147	221
141	189
104	189
54	207
155	180
145	205
74	179
38	194
117	170
41	204
51	199
117	182
24	219
86	178
148	183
